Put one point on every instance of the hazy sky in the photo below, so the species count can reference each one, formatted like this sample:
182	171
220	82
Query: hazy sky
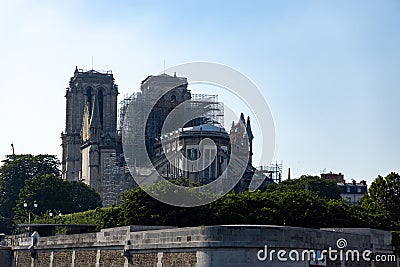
330	70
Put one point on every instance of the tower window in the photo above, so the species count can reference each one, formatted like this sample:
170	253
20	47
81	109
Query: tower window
173	98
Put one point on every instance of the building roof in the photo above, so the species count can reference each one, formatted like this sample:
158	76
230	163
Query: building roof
163	76
353	188
205	128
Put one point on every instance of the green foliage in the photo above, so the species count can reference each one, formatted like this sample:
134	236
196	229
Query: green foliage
303	203
301	208
28	178
384	198
17	169
102	217
324	188
54	194
80	197
137	206
295	208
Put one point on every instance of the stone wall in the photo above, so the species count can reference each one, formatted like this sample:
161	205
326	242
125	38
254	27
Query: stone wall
43	259
62	258
111	258
144	260
84	257
170	259
230	245
5	256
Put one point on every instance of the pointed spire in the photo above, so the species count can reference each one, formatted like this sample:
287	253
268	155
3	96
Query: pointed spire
242	118
248	129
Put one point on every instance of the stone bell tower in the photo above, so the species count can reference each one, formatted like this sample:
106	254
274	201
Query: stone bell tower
91	123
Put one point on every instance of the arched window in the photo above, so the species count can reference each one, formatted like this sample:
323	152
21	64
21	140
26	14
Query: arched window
173	97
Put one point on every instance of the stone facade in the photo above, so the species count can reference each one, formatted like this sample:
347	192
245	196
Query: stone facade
92	142
111	258
23	258
144	260
230	245
84	258
43	259
90	128
90	136
187	259
185	144
61	258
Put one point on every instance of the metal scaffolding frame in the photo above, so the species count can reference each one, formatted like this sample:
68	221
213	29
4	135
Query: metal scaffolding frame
209	104
272	171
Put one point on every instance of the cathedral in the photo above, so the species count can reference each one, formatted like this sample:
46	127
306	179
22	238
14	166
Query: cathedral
92	141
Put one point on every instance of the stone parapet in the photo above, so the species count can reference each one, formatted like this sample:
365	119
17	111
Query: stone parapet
224	245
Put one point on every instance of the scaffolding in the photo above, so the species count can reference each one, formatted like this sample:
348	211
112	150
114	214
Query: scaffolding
214	109
208	104
273	172
123	105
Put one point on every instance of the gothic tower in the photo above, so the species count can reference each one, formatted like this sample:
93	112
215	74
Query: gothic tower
154	87
91	123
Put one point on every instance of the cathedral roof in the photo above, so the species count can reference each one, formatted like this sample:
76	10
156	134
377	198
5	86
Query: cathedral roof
205	128
163	76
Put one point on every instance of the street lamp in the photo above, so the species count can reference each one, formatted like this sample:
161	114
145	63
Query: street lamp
51	214
30	210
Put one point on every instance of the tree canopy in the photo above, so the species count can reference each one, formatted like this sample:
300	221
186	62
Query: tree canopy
28	178
306	202
384	197
16	169
324	188
303	208
51	193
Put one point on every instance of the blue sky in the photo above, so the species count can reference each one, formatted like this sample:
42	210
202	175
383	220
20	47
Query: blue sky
328	69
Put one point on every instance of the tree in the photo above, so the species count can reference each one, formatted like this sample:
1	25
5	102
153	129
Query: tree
138	207
324	188
17	169
384	195
81	197
305	202
300	208
245	208
54	194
